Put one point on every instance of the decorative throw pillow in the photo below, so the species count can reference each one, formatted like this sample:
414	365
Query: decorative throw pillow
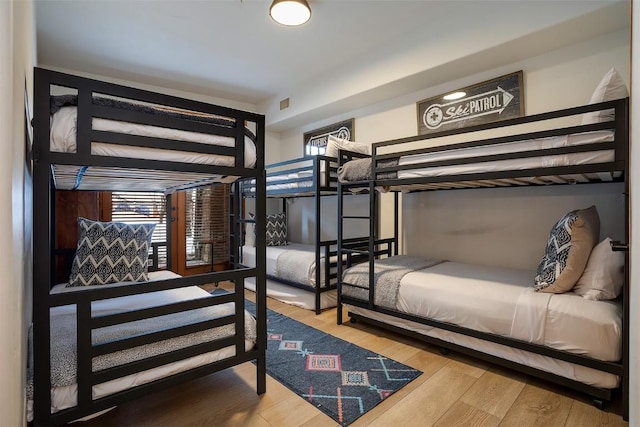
603	276
570	242
334	144
110	252
276	230
610	87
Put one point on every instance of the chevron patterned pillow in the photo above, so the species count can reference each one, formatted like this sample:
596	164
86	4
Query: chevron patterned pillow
110	252
568	248
277	230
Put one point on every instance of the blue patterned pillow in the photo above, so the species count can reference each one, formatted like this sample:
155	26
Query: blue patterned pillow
110	252
568	248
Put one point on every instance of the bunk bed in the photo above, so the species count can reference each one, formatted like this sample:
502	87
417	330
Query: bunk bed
301	274
123	336
497	314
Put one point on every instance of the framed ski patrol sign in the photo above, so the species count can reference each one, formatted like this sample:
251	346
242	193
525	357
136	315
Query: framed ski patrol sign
315	142
496	99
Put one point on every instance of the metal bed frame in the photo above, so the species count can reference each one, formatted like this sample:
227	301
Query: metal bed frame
321	182
542	176
44	251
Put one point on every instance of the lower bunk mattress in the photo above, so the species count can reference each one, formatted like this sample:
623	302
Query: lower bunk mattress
63	345
294	262
499	301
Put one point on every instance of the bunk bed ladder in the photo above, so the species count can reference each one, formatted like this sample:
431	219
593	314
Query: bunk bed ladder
356	251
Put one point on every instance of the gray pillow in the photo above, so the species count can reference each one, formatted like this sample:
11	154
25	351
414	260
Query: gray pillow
110	252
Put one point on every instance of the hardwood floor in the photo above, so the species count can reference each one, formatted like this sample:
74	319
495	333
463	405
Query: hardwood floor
454	390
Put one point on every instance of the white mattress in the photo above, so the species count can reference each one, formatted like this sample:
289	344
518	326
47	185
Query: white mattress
290	294
501	301
279	182
66	397
514	164
305	254
565	369
295	296
275	182
63	139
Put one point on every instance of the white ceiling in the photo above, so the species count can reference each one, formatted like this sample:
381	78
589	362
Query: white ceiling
351	52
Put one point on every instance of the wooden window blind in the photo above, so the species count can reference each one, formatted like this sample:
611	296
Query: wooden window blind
207	225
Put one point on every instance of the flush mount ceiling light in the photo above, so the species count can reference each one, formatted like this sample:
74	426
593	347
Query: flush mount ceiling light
454	95
290	12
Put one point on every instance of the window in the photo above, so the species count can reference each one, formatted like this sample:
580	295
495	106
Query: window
199	225
143	208
207	225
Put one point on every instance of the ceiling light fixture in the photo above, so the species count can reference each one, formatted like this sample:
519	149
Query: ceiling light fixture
290	12
454	95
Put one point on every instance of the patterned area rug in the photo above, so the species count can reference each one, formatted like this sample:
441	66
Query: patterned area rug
341	379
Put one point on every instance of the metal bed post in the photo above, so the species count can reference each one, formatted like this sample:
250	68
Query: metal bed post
318	204
261	284
339	249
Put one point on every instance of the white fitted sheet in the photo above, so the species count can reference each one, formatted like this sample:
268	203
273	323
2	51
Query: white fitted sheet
514	164
279	182
63	139
66	397
307	269
295	296
290	294
545	363
501	301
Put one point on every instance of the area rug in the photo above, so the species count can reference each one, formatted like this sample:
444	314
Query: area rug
339	378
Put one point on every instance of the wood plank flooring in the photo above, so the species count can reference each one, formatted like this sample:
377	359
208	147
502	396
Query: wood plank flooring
454	390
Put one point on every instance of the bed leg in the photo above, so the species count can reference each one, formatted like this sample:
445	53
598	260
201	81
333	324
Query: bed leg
353	320
444	351
598	403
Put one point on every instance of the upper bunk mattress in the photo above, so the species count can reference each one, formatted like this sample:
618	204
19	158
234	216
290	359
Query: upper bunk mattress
299	178
413	166
64	129
514	164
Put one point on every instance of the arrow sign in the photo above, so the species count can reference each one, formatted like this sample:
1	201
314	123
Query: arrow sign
485	102
492	102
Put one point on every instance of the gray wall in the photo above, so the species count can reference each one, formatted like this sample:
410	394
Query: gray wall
503	226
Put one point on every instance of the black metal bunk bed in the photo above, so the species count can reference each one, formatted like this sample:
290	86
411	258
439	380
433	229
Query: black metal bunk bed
87	168
312	177
386	176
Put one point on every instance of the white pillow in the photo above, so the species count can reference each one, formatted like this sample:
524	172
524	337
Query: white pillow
603	276
610	87
334	144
